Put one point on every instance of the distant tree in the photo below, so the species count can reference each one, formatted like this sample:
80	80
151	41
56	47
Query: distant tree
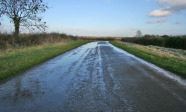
138	33
24	13
165	36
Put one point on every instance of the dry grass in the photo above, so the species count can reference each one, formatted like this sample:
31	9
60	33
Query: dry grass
173	60
161	51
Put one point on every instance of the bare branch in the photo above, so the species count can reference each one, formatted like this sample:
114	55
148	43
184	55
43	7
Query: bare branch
24	12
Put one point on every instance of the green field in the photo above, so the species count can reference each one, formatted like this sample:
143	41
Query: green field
170	59
14	61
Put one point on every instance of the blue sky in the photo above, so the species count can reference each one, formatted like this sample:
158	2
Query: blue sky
116	17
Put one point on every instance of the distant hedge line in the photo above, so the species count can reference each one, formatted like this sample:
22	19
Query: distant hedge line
100	39
8	41
178	42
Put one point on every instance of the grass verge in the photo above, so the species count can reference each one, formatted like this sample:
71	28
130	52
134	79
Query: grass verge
14	61
170	60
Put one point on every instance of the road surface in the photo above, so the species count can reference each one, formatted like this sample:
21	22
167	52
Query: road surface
96	77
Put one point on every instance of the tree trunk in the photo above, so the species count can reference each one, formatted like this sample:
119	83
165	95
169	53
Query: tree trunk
16	25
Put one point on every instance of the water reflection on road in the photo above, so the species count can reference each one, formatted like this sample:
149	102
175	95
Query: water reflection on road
94	77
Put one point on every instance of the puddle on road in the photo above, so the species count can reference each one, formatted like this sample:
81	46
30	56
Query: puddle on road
42	86
75	78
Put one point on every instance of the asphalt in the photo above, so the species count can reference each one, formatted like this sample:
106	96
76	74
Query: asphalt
96	77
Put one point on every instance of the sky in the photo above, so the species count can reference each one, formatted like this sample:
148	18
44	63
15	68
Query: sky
119	18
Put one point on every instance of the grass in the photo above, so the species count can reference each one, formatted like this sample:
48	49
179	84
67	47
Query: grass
15	61
170	59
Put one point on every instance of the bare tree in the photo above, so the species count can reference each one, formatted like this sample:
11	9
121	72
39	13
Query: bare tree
24	13
138	33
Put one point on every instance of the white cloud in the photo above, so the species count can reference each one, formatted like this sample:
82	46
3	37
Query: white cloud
174	6
178	22
160	13
174	3
158	21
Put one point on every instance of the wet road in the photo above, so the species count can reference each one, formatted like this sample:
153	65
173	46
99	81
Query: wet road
96	77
